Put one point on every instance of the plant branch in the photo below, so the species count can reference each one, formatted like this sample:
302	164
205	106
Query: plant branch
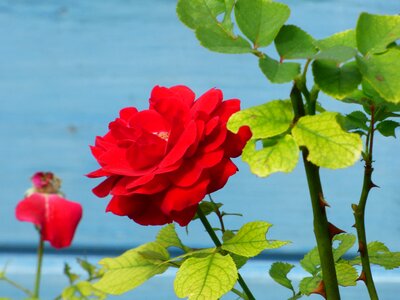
217	243
39	266
321	225
359	211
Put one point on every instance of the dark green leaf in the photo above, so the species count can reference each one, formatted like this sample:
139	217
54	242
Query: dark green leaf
278	72
279	271
260	20
388	127
309	284
292	43
338	54
356	120
199	13
334	80
345	38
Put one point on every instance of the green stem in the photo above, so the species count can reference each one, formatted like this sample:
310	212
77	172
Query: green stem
217	243
321	225
39	266
18	286
359	213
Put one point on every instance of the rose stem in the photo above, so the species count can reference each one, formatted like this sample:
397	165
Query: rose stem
39	266
359	211
217	243
321	225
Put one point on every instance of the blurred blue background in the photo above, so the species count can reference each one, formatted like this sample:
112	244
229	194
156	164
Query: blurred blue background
66	69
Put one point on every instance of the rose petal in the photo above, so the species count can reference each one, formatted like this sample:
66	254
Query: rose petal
220	174
56	217
235	142
207	103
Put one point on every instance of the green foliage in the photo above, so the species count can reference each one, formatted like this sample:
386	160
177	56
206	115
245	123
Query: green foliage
132	268
347	275
293	43
279	271
335	80
309	284
345	38
356	120
208	207
82	290
337	54
388	127
345	242
260	20
382	72
376	32
278	72
328	144
209	277
196	13
251	240
167	237
266	120
380	255
281	155
311	261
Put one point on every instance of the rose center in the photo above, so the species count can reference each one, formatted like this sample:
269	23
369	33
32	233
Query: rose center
162	134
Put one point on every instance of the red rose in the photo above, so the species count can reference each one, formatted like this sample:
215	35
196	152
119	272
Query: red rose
161	162
55	217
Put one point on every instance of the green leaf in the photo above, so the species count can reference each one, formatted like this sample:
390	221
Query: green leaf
279	271
382	72
167	237
251	240
328	144
346	241
197	13
356	120
337	54
282	156
260	20
388	127
208	207
206	278
217	38
375	32
311	261
293	42
309	284
345	38
380	255
334	80
72	277
266	120
346	274
132	268
278	72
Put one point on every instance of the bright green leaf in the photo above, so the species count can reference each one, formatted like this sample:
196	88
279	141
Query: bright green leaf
346	274
199	13
209	277
278	72
251	240
346	241
293	42
338	54
167	237
334	80
375	32
380	255
309	284
388	127
260	20
266	120
132	268
382	72
328	144
282	156
217	38
279	271
345	38
311	261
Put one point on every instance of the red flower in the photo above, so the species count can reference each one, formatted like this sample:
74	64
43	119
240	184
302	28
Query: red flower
161	162
55	217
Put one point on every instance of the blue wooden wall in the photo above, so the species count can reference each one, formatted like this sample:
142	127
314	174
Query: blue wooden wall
68	67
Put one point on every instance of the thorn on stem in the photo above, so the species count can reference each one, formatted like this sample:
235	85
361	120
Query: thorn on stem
320	289
362	277
373	185
333	230
322	201
361	248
